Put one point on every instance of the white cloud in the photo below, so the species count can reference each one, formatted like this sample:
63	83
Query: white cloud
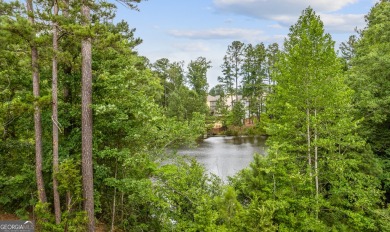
269	8
337	23
333	23
192	47
275	26
286	12
248	35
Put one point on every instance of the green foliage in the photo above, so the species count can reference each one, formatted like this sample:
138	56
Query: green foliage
272	55
227	80
258	128
45	219
72	219
369	74
218	90
131	131
229	208
254	65
16	139
254	75
318	174
177	99
369	77
257	196
348	51
197	75
140	110
237	115
189	195
14	188
69	179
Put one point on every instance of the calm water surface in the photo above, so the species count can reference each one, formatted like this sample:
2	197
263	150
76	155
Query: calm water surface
225	156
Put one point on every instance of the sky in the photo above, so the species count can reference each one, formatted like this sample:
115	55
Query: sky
183	30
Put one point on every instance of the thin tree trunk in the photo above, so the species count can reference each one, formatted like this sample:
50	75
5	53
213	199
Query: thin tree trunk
316	159
86	120
261	109
236	76
308	140
236	89
231	99
122	204
122	199
37	111
114	201
65	10
68	202
56	195
269	81
273	178
67	93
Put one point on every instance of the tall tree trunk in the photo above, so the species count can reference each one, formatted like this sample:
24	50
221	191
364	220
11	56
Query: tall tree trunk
86	120
308	139
37	110
316	159
269	81
122	199
236	76
56	195
68	203
67	93
261	109
231	99
114	200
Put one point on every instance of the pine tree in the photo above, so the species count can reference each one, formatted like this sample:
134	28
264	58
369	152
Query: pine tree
271	57
369	77
37	110
253	71
235	56
318	172
56	196
86	119
227	79
197	78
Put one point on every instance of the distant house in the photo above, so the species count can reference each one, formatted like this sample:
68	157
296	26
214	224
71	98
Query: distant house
212	103
229	102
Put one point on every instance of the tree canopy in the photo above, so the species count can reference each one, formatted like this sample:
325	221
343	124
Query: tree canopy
89	128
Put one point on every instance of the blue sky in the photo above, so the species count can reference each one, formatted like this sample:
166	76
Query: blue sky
182	30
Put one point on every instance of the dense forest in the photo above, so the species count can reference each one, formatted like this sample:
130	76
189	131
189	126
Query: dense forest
88	126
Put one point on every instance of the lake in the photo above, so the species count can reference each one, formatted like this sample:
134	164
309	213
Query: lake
226	155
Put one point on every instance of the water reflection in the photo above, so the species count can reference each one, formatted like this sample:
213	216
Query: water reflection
225	156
